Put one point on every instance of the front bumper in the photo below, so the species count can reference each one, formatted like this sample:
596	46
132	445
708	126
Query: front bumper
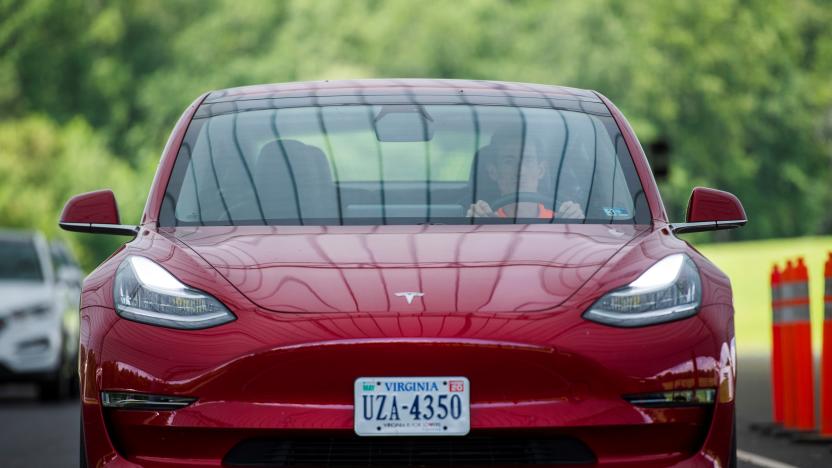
270	376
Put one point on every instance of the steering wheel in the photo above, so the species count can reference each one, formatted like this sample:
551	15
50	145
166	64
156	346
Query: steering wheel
520	197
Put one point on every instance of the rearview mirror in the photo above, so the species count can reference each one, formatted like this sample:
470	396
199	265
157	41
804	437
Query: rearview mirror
94	212
403	123
710	210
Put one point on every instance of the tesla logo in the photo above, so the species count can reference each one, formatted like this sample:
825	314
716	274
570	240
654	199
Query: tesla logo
409	296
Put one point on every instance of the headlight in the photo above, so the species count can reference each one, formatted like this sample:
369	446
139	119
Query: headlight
145	292
35	311
669	290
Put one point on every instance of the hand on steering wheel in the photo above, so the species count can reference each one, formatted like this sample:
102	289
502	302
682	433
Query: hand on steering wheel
482	209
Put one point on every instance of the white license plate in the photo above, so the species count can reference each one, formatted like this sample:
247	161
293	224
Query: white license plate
412	406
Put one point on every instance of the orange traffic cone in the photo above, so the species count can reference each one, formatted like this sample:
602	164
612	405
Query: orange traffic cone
826	359
777	402
804	362
787	347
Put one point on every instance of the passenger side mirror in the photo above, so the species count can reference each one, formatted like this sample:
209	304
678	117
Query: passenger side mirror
94	212
711	210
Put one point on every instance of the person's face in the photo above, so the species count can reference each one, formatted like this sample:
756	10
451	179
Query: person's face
513	173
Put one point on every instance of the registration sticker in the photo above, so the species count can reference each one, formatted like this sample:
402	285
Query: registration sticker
412	406
617	212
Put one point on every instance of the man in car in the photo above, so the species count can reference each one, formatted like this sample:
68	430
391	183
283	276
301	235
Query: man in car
516	167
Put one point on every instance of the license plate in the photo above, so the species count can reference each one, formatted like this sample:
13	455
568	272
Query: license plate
412	406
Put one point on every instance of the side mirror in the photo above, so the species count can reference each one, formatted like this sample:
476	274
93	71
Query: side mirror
94	212
710	210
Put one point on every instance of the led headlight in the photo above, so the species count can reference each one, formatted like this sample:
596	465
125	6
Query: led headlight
669	290
145	292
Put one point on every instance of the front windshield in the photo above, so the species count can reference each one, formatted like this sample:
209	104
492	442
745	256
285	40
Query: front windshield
403	164
19	260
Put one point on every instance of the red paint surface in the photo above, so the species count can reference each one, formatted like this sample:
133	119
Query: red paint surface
708	204
485	268
315	310
98	207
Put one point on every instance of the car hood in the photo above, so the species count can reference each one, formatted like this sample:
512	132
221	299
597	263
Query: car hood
485	268
22	294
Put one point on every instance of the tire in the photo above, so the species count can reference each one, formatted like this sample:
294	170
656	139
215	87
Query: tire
58	386
75	384
74	377
733	462
82	446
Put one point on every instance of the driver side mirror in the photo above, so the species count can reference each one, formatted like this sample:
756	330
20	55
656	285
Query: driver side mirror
94	212
711	210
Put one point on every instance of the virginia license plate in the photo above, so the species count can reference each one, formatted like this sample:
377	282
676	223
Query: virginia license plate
412	406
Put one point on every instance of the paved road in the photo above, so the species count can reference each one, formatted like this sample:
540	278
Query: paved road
754	405
33	434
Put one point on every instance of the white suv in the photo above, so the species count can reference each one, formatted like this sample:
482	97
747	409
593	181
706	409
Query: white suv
38	316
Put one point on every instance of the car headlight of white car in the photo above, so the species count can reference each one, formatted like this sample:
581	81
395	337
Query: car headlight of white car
669	290
145	292
31	312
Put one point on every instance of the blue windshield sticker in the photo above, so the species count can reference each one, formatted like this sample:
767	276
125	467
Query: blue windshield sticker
617	212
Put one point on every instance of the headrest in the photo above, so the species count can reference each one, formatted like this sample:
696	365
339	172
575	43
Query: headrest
294	180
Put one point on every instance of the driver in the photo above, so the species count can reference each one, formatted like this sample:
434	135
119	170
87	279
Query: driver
514	174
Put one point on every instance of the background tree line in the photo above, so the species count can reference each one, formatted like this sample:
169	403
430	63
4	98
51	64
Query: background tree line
738	92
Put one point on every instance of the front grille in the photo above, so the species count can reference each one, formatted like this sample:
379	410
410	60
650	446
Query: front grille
373	452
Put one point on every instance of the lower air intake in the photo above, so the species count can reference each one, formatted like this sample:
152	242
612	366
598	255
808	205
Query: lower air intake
373	452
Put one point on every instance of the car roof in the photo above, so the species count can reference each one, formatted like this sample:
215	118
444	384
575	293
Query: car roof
418	86
17	234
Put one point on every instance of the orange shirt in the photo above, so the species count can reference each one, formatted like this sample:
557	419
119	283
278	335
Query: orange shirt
542	212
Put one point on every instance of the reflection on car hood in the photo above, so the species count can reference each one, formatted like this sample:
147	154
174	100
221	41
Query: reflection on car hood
485	268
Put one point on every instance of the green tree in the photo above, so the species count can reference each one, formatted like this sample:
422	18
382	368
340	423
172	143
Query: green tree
739	90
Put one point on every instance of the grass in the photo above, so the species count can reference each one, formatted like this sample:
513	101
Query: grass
748	264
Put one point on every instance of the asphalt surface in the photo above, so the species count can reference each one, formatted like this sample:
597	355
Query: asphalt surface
754	406
34	434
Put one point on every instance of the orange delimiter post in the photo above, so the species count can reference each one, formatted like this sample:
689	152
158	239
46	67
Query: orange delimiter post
776	348
826	359
803	352
787	348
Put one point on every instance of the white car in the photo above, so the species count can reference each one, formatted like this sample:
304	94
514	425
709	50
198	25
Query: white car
38	316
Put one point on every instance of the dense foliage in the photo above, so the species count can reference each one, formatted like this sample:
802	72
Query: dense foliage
739	92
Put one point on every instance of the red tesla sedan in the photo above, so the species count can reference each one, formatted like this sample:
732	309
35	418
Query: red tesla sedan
406	273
